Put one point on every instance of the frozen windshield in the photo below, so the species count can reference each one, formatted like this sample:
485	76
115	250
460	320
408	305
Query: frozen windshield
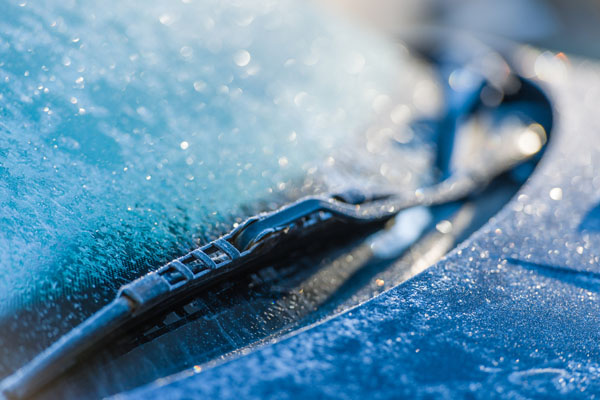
131	132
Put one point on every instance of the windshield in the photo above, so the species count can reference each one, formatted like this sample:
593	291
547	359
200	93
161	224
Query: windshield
132	132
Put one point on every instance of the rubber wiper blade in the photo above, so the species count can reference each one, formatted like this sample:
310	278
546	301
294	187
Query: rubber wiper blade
258	237
254	240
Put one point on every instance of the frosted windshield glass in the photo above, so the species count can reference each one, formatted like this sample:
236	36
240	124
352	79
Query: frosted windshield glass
131	132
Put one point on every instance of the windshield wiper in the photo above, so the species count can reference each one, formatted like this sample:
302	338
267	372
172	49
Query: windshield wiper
264	235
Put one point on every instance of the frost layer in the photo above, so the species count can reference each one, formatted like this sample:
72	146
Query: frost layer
131	131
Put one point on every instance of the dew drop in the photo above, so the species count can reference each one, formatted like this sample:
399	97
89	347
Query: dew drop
242	58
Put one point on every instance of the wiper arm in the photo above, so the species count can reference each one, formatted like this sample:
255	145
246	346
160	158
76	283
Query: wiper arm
249	242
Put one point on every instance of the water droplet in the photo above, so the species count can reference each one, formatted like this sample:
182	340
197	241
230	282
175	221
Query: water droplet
242	58
166	19
199	86
556	193
444	226
531	140
186	52
400	114
300	98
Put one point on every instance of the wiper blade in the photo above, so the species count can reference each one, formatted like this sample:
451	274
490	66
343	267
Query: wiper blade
256	238
246	245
